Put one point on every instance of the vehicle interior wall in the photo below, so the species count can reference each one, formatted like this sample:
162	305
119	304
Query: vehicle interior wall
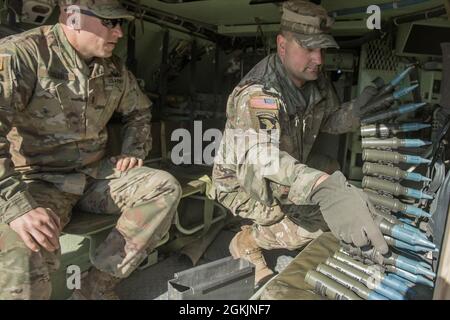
197	88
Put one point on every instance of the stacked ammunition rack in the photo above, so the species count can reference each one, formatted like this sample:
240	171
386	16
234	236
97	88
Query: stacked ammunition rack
400	211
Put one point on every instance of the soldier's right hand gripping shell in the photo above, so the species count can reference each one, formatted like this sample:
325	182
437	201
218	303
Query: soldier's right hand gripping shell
347	213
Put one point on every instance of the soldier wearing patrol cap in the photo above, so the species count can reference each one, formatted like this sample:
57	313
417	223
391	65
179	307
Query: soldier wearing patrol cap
60	85
288	92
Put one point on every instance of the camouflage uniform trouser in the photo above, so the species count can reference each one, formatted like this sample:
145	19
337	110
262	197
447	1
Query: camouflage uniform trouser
145	198
285	226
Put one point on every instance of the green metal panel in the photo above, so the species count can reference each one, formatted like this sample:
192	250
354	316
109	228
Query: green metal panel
74	251
403	33
247	30
332	5
239	12
220	12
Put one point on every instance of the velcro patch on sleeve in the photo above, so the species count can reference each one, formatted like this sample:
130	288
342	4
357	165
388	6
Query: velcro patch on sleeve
4	61
264	112
267	103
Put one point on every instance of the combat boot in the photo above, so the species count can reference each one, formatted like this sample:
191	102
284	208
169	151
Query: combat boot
244	246
97	285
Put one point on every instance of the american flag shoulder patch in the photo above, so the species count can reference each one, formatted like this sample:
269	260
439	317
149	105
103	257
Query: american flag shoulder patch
263	103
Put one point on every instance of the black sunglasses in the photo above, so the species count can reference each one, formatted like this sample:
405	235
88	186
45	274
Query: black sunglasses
109	23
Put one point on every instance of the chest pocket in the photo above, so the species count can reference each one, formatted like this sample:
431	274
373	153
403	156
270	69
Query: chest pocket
311	123
287	140
104	98
51	109
292	135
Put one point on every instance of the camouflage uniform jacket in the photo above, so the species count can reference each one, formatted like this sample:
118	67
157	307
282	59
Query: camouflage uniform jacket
53	114
267	99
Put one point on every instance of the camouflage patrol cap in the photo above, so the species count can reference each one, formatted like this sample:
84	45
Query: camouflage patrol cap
108	9
309	23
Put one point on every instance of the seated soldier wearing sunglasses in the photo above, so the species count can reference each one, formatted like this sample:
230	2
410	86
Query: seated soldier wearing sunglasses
60	85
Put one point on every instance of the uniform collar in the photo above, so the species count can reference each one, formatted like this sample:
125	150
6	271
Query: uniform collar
312	93
97	68
309	94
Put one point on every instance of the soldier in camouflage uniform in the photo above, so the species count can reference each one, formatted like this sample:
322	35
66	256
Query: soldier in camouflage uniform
287	93
59	87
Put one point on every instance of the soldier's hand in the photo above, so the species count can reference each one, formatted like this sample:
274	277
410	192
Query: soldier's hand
363	99
346	210
124	162
38	228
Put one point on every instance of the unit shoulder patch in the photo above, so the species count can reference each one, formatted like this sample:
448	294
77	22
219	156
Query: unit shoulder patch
267	120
